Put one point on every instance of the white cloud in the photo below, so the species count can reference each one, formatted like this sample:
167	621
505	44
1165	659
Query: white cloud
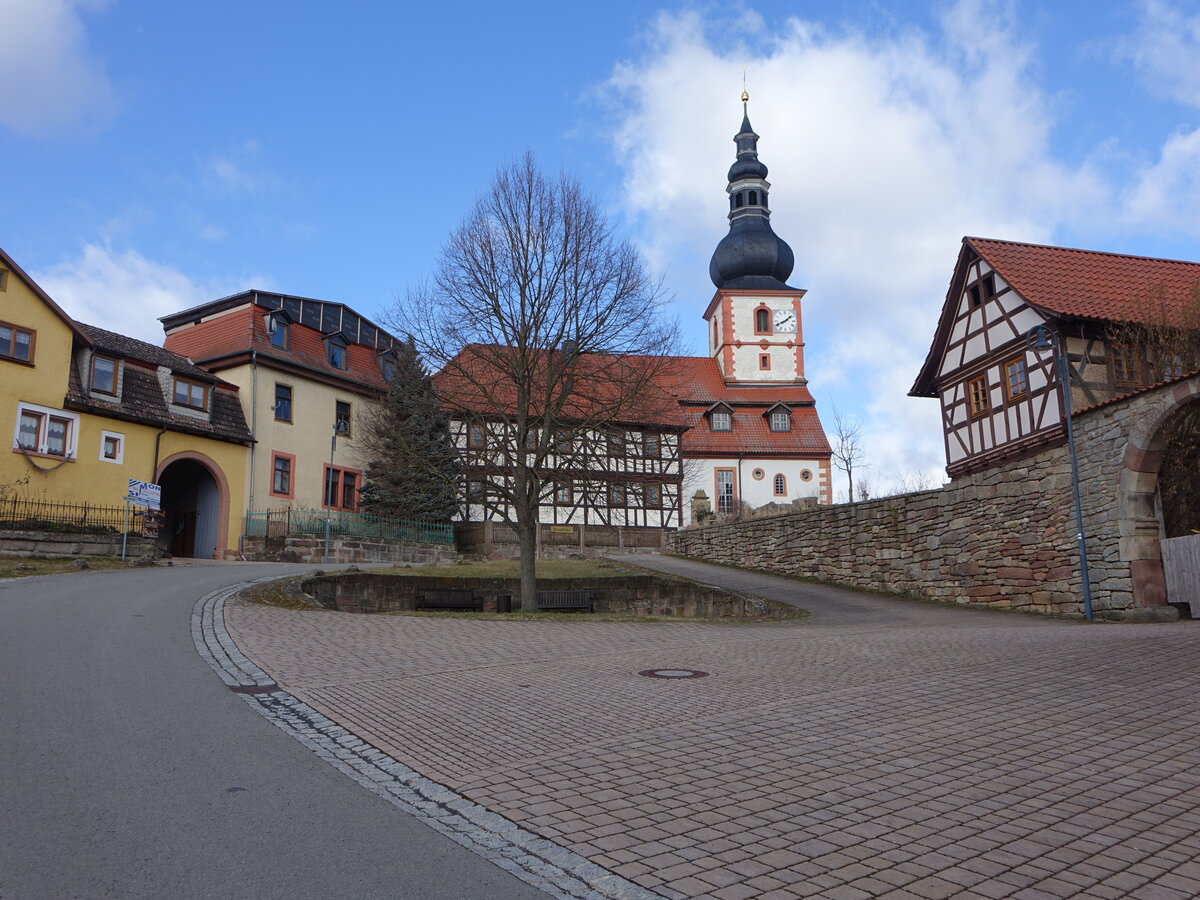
884	151
49	81
1165	195
1165	50
126	292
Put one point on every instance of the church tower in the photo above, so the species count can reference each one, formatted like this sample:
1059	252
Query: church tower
753	320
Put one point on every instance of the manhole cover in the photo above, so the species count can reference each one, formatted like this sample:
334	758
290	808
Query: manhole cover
673	673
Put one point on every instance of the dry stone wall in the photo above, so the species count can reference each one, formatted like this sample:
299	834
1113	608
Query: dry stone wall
999	539
1003	538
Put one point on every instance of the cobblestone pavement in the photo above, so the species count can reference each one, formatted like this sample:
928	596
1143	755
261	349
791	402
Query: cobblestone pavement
880	748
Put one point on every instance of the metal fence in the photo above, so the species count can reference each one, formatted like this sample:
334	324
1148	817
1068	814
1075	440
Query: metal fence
24	514
278	523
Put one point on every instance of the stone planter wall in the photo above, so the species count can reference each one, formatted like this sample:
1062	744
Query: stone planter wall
634	594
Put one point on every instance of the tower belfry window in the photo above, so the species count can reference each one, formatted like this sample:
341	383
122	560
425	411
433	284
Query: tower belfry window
737	200
754	198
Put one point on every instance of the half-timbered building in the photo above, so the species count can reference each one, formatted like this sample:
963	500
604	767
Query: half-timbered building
1000	397
737	427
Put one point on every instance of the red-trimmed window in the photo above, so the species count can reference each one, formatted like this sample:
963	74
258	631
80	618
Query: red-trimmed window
780	485
341	487
653	496
764	362
726	497
476	437
762	320
651	445
283	468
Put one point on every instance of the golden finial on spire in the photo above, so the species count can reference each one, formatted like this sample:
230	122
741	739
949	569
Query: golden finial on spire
745	93
745	96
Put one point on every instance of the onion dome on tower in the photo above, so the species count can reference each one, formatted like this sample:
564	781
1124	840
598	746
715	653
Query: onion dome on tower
751	256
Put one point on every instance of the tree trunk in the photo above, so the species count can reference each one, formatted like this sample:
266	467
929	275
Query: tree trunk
528	542
527	516
850	482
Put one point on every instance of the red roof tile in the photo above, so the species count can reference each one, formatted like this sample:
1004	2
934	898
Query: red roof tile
1090	284
751	435
243	330
688	386
476	380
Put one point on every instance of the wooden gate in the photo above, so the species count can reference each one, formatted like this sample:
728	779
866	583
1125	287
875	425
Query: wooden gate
1181	566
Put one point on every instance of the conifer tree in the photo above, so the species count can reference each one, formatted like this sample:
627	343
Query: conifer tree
412	469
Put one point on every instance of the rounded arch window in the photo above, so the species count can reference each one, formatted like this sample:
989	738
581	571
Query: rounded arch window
805	475
753	198
762	320
738	200
780	486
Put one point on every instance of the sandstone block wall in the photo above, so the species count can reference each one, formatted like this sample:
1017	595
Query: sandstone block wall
47	543
1005	538
309	549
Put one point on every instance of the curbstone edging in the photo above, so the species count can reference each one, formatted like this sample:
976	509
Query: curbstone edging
556	870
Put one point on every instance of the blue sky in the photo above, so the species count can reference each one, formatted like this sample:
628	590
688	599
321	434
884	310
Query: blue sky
156	155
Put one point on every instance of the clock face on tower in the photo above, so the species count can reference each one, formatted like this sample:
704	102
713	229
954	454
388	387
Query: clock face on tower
785	321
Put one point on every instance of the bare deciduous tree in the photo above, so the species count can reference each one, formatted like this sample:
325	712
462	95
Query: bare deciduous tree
848	451
546	331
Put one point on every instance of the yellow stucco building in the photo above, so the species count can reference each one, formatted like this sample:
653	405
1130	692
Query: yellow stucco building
90	409
306	370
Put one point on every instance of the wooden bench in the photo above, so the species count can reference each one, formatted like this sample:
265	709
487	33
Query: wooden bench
564	601
448	599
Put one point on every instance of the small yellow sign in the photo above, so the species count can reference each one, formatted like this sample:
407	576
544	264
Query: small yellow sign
562	529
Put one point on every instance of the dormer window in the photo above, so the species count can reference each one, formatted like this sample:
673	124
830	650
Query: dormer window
387	365
104	375
721	420
336	351
190	393
781	420
278	330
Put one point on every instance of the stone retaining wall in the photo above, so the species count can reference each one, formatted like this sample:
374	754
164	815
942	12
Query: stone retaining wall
46	543
1002	538
342	549
632	594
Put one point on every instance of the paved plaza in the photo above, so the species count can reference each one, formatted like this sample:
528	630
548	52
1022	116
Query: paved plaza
879	748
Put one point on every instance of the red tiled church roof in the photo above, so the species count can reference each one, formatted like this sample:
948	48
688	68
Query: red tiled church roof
682	390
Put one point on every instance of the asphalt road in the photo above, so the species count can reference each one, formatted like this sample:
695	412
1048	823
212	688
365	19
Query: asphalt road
127	769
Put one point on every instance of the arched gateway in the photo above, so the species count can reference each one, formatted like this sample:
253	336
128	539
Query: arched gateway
195	505
1159	513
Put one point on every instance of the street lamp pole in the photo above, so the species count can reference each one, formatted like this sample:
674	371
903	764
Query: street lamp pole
1042	338
339	427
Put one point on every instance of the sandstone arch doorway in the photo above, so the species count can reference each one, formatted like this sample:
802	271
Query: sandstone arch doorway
195	506
1179	506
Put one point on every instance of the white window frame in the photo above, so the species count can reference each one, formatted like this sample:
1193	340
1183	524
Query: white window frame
780	421
45	413
120	439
